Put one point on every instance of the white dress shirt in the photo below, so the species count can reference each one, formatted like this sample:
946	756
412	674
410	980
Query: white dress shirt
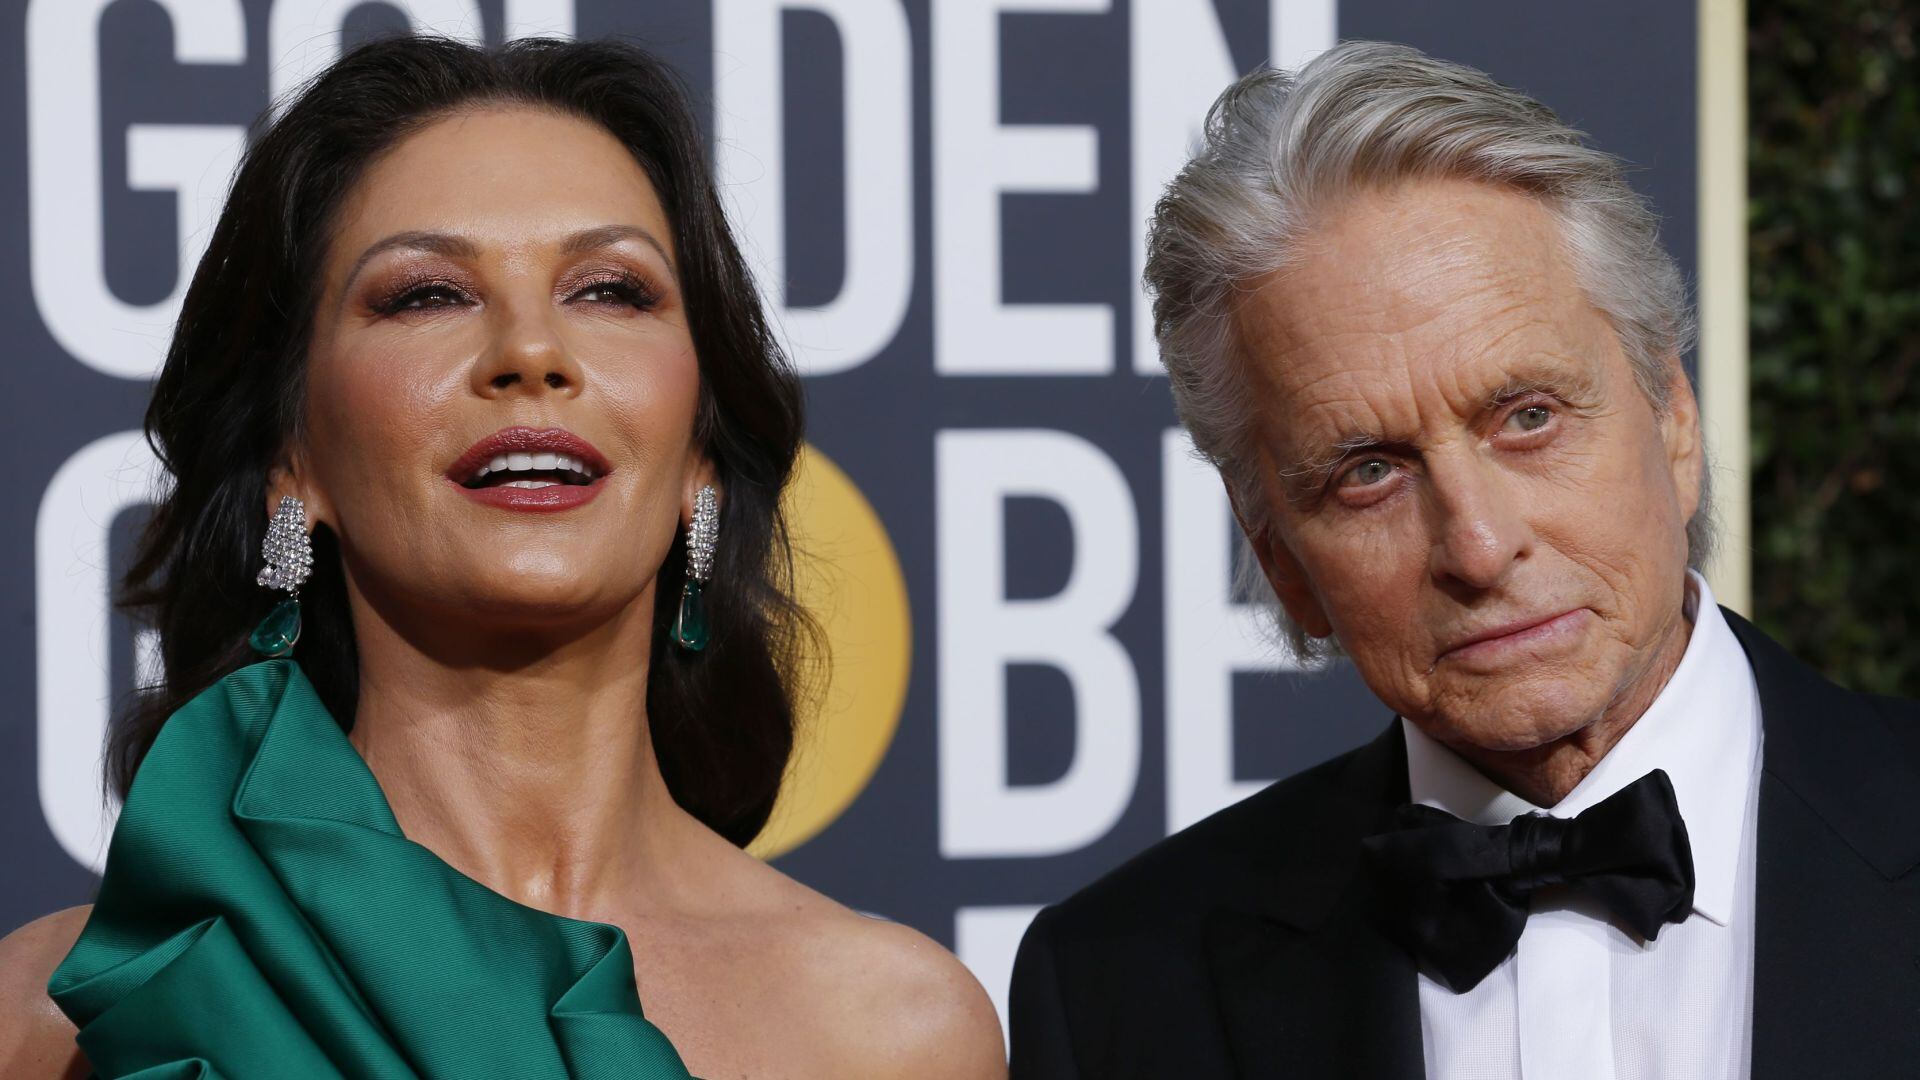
1580	998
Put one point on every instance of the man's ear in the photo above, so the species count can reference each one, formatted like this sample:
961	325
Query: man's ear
1680	433
1283	572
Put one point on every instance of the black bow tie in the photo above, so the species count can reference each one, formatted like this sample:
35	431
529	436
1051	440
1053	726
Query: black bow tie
1457	893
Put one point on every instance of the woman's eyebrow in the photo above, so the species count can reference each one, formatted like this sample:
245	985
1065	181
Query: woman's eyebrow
453	247
606	235
458	247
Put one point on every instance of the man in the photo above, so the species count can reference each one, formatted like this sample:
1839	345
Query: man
1431	342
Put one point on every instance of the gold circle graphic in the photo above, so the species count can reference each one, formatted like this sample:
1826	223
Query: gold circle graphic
847	576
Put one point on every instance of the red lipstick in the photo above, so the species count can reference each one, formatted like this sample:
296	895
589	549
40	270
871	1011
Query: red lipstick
571	468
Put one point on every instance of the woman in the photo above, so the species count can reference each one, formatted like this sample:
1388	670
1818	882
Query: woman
473	359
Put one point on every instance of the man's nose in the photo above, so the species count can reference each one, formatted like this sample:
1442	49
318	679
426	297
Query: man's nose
1478	529
527	354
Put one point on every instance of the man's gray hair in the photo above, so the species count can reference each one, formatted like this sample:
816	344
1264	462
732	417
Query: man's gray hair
1281	147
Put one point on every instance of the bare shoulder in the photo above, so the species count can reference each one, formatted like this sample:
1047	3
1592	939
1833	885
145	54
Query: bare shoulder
887	1000
911	1006
36	1038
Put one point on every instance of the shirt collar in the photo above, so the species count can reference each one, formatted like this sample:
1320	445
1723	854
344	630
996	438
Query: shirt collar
1703	728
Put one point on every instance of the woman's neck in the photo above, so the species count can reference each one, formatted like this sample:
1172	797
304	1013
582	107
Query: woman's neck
525	761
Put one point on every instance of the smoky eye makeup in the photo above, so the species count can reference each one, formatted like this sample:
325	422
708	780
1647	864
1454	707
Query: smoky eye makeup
424	284
411	283
418	294
615	286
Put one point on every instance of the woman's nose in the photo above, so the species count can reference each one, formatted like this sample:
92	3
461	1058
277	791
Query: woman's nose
528	354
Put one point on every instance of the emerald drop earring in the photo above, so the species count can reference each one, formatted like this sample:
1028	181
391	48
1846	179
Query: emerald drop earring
690	625
288	552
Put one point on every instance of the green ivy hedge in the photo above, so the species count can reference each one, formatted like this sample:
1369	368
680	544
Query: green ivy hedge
1834	175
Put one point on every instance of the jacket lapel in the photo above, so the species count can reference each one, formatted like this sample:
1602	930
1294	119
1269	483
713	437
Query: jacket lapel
1837	933
1308	984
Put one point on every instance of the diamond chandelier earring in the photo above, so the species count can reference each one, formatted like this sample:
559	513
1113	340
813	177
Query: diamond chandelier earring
288	552
690	625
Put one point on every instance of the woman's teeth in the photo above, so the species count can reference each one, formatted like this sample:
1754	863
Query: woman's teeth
532	462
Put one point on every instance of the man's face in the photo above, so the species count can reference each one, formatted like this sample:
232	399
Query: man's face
1463	482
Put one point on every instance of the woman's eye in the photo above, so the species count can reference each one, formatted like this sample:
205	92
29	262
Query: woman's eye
1531	418
603	292
1367	473
627	293
425	296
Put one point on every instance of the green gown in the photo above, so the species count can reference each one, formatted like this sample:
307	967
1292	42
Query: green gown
262	916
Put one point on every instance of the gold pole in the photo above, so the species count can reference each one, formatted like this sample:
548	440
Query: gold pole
1722	200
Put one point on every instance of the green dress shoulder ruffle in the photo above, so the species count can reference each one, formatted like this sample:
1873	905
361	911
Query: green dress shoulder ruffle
263	917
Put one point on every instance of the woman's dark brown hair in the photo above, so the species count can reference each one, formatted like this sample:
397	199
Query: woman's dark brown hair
230	398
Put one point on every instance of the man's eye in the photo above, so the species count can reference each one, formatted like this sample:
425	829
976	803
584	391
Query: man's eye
1531	418
1367	473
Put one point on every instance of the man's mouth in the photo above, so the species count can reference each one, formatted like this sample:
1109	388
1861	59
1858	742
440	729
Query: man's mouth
1517	632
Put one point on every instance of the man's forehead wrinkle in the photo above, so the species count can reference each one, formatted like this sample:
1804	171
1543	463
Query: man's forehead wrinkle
1382	399
1297	311
1432	234
1467	276
1332	430
1337	401
1347	422
1463	351
1405	315
1563	374
1301	367
1346	408
1520	350
1437	320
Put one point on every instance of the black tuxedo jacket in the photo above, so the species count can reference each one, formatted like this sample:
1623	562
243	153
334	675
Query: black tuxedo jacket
1245	946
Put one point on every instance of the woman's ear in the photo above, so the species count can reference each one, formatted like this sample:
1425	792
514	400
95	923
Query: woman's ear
699	475
289	476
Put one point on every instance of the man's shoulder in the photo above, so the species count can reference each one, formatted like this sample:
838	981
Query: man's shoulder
1901	716
1902	713
1248	849
1801	702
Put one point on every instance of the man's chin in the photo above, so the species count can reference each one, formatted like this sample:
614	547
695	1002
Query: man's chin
1526	718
